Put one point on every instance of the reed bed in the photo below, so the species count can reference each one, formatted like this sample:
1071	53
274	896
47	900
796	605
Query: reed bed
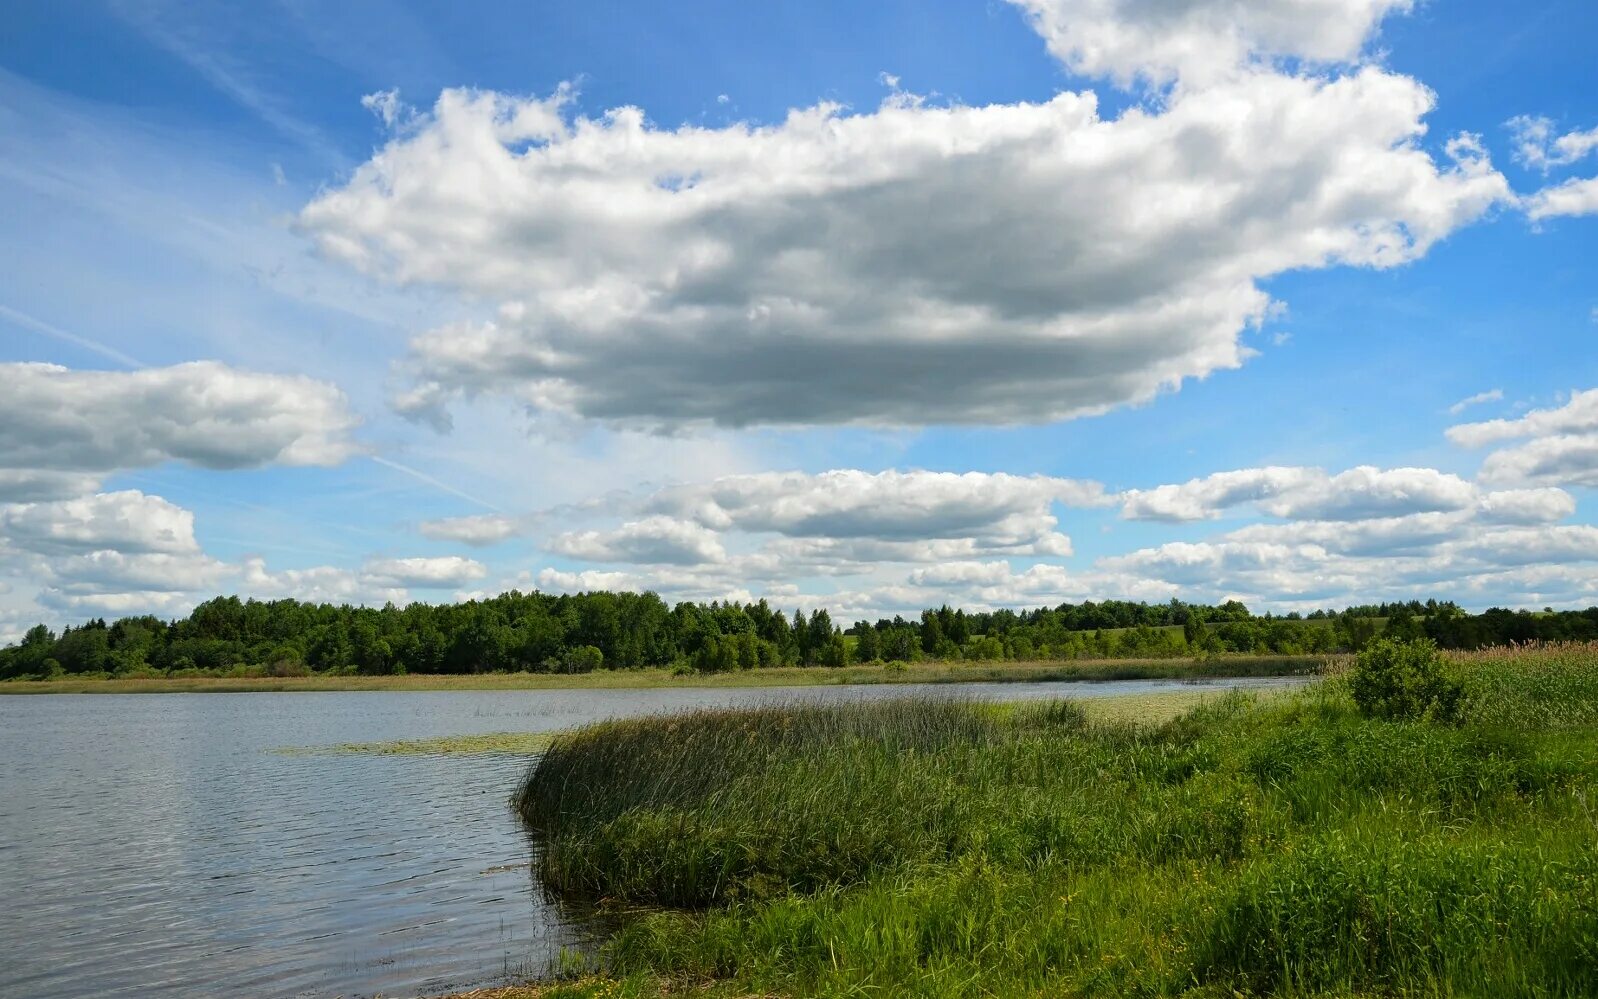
948	847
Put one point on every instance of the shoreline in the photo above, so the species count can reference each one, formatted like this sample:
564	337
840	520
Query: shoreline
779	676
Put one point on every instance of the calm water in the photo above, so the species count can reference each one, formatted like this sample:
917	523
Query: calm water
157	845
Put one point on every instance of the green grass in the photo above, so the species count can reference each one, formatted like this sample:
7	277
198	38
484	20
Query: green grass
782	676
947	848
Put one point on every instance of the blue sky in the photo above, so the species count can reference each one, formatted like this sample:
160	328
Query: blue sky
870	305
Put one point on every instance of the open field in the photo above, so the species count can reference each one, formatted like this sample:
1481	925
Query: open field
787	676
1296	846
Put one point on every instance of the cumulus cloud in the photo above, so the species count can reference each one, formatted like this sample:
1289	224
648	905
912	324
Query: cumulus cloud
1198	41
1571	459
26	485
989	585
1304	493
670	583
908	507
54	419
107	573
126	521
163	603
483	529
1538	146
1368	492
847	555
1208	497
1376	536
1563	445
433	573
653	540
108	553
1313	563
317	584
564	581
1559	544
1527	506
962	574
1573	197
377	581
1579	415
907	265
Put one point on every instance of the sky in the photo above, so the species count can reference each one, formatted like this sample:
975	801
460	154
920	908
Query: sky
872	306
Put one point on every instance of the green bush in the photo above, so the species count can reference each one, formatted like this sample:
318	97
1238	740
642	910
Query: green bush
1405	681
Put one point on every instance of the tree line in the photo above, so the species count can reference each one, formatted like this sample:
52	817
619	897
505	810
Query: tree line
575	633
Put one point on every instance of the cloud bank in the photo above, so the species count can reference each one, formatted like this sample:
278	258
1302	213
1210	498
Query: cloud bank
910	264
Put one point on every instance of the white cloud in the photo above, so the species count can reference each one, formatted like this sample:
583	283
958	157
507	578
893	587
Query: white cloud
1569	459
118	604
992	585
1573	197
1558	544
107	553
204	413
484	529
317	584
1527	506
1304	493
1491	395
562	581
386	104
1368	492
915	507
1208	497
653	540
1202	40
112	572
1287	564
1538	147
127	521
1563	448
671	584
913	264
835	555
962	574
26	485
442	571
1376	536
1578	415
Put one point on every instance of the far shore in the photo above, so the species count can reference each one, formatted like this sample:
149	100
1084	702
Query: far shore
782	676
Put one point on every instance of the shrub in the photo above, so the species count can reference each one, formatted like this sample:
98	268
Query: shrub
1405	681
582	659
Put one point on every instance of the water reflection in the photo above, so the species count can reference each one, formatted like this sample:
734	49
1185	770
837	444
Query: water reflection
156	845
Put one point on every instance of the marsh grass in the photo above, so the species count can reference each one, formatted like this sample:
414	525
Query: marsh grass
955	848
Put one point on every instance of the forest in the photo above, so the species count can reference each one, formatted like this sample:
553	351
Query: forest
579	633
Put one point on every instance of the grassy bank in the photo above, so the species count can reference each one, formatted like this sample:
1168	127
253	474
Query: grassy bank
1286	847
923	672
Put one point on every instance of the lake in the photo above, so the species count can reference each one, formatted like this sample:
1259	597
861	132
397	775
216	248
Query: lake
158	845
